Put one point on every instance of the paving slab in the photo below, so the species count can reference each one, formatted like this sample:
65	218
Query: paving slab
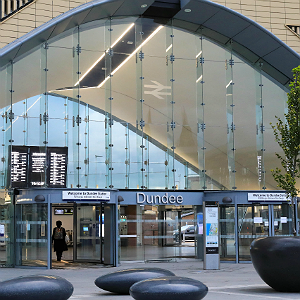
232	281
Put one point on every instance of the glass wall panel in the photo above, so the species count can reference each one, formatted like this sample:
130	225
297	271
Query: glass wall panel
156	89
30	119
272	94
253	222
31	235
227	225
3	147
119	142
245	126
283	225
32	114
89	233
8	117
6	230
157	233
138	109
57	129
185	113
215	115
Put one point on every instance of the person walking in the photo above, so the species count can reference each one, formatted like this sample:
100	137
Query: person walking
58	237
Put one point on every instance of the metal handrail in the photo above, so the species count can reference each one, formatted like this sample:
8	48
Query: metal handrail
10	7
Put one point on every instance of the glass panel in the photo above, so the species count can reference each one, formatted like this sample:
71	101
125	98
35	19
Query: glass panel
253	222
260	128
272	94
227	226
157	233
230	113
216	164
6	230
156	89
89	233
77	140
31	235
282	222
131	233
246	164
200	112
65	215
3	233
142	76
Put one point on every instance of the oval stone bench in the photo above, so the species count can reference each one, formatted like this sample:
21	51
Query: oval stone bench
169	288
36	287
120	282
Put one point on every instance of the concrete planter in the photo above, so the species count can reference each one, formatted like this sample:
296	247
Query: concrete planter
42	287
277	261
169	288
119	282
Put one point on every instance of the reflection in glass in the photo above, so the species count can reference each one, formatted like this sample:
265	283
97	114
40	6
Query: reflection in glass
31	235
137	108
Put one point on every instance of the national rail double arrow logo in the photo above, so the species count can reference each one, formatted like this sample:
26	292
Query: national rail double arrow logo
157	90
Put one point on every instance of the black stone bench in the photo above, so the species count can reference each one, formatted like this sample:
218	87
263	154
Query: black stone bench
120	282
41	287
169	288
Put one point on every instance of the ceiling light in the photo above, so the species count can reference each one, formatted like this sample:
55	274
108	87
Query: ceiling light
102	56
144	5
135	51
187	10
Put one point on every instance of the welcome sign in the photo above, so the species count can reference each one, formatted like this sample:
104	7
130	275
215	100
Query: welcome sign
261	197
86	195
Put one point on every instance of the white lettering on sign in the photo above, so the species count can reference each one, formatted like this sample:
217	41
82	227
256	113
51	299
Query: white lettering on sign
141	198
85	195
267	197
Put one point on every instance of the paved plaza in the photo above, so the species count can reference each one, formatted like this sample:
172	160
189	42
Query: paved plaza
232	281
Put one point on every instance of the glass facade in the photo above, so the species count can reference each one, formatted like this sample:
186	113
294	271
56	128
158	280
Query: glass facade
126	103
157	233
142	106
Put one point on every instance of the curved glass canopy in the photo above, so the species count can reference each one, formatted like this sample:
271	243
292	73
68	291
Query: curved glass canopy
141	105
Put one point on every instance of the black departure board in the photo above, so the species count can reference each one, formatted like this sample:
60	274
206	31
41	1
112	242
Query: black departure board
19	166
37	166
58	167
33	166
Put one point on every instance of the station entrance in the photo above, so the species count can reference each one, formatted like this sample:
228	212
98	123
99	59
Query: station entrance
27	227
157	233
241	224
84	225
112	230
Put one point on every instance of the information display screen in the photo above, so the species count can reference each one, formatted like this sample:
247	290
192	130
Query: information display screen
33	166
19	166
58	167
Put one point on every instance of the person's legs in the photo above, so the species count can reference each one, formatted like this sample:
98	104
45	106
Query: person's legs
58	254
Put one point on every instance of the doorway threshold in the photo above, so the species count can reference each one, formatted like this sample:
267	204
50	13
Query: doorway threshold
64	264
159	260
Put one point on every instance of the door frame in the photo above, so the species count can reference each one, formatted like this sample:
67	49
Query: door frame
75	230
271	218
